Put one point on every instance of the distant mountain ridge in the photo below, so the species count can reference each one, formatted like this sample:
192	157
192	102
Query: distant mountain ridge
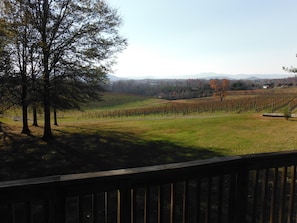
209	75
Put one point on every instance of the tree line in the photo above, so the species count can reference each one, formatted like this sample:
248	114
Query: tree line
55	54
165	89
174	89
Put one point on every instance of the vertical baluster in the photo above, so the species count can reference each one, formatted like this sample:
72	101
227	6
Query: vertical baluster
198	200
208	200
133	205
282	194
105	207
172	202
146	205
94	208
263	195
255	199
145	208
185	201
292	193
273	195
220	198
232	199
119	207
160	203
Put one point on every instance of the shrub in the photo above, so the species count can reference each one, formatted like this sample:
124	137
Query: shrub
287	112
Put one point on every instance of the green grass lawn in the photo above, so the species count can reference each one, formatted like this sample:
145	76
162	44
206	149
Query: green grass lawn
101	144
224	134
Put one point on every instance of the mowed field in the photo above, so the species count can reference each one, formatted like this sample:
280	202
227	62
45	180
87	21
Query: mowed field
129	131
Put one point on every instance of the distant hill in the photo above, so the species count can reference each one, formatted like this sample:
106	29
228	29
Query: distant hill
209	75
113	78
212	75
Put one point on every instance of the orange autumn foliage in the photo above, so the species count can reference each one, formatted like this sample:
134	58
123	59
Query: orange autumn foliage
220	87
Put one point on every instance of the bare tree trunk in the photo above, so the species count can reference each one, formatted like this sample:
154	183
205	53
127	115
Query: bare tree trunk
25	129
55	116
47	133
35	123
24	96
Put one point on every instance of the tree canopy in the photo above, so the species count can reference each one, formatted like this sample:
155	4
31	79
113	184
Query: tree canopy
60	46
220	87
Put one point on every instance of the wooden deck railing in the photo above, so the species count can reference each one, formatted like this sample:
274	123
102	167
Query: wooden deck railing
241	189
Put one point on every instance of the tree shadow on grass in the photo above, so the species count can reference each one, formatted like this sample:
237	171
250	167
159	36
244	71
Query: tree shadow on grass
26	157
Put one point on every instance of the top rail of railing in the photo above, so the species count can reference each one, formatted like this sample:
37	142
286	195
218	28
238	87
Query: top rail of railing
153	171
252	161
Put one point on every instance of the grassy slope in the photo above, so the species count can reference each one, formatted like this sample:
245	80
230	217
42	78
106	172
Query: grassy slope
99	144
225	134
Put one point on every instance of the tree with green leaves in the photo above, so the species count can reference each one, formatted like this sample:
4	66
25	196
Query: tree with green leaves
74	92
287	112
21	46
71	35
76	35
6	100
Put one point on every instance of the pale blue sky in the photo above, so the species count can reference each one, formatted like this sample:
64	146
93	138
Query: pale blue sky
169	38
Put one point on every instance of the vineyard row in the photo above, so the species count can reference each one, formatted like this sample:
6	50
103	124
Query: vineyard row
273	103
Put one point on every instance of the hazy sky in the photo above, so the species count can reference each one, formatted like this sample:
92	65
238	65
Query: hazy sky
169	38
